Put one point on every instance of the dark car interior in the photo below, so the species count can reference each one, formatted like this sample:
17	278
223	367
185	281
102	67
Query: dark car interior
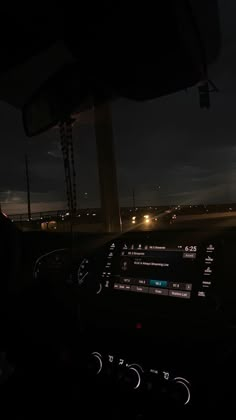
135	324
87	330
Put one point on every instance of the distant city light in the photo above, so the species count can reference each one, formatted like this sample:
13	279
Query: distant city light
146	216
133	221
94	214
134	217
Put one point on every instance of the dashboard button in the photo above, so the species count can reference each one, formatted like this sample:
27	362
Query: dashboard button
181	286
175	285
158	283
140	289
190	255
126	280
119	286
155	291
142	282
179	294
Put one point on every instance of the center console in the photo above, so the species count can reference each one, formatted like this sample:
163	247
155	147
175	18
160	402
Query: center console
150	332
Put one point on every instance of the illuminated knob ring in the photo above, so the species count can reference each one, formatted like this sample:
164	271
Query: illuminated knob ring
183	382
99	359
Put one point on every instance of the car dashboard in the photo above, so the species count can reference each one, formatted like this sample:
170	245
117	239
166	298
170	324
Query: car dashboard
151	316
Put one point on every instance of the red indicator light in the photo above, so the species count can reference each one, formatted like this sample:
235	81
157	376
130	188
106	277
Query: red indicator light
139	326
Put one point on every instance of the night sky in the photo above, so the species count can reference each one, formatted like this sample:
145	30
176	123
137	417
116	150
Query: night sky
169	142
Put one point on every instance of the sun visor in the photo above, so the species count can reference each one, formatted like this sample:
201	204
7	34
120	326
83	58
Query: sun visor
138	54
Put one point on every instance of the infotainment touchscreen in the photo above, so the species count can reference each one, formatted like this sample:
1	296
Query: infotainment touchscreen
178	271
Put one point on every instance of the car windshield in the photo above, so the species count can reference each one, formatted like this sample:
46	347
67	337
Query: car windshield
175	161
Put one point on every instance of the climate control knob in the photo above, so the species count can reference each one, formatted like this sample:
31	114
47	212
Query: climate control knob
181	391
95	363
130	378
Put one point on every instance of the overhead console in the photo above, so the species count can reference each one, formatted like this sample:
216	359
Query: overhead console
185	270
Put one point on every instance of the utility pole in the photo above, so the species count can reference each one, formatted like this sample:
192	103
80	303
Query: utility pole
158	195
133	197
28	186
